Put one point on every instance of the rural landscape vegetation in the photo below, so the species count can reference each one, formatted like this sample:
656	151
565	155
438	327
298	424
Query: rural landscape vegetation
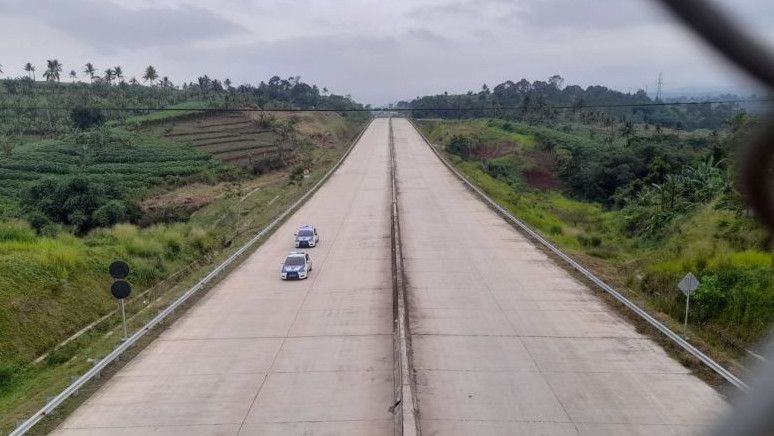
98	165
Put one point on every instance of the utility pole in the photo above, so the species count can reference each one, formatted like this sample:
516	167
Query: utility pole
659	86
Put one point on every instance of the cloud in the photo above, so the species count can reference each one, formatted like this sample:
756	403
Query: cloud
377	51
111	27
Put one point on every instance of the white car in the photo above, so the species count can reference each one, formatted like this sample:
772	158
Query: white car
306	237
296	266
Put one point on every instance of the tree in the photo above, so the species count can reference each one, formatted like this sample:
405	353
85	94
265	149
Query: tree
73	75
1	68
90	70
53	70
133	81
109	75
118	73
150	75
30	69
227	82
556	81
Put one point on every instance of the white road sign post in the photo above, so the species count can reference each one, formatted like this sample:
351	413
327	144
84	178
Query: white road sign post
689	284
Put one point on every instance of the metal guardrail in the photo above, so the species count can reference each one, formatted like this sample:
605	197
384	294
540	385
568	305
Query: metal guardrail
25	426
674	337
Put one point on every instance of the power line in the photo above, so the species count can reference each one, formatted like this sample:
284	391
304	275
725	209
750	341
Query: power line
392	109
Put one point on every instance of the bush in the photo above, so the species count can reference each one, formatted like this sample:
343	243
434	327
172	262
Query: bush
77	201
709	300
297	174
86	117
267	164
112	212
460	145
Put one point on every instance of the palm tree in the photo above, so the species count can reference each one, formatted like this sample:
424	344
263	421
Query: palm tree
1	68
73	75
109	75
118	72
165	83
90	70
30	69
53	70
133	81
150	74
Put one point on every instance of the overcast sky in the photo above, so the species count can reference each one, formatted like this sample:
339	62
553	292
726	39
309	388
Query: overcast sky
378	51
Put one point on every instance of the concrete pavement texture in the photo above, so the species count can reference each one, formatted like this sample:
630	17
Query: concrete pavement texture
507	342
258	355
504	340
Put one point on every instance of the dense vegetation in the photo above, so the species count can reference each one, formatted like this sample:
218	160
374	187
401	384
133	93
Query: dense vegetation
28	106
550	102
644	208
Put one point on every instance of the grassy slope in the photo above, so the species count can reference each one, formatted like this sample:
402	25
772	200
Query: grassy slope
711	242
53	286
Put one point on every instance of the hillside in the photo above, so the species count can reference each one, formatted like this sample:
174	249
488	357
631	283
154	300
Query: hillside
642	210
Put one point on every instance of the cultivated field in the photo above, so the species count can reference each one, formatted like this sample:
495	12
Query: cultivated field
232	138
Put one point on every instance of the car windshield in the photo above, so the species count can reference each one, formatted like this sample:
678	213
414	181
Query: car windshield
294	260
305	233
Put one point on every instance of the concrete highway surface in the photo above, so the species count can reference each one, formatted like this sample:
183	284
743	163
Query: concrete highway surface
504	340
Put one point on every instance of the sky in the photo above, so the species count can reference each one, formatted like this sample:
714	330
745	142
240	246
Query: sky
379	51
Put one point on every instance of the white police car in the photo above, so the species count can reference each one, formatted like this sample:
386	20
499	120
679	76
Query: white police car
296	266
306	237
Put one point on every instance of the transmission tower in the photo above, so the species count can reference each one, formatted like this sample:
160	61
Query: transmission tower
659	86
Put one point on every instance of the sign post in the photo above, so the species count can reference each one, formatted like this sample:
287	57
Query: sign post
689	284
120	287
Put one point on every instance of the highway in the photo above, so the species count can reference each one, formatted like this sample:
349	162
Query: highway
504	340
259	355
507	342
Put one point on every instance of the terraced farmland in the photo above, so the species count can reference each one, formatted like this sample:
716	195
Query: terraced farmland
232	138
131	161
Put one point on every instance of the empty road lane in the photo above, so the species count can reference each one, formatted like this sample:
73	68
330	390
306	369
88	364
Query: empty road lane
507	342
261	356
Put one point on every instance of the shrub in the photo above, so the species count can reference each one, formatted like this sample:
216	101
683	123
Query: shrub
112	212
709	300
460	145
86	117
297	174
77	201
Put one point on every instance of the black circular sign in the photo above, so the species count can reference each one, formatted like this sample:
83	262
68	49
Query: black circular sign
119	269
120	289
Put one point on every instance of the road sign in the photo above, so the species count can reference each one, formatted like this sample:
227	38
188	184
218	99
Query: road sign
120	289
688	284
119	269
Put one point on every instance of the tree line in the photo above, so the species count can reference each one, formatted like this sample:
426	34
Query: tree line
550	101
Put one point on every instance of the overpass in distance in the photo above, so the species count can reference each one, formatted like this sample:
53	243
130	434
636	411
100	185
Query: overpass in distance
503	340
